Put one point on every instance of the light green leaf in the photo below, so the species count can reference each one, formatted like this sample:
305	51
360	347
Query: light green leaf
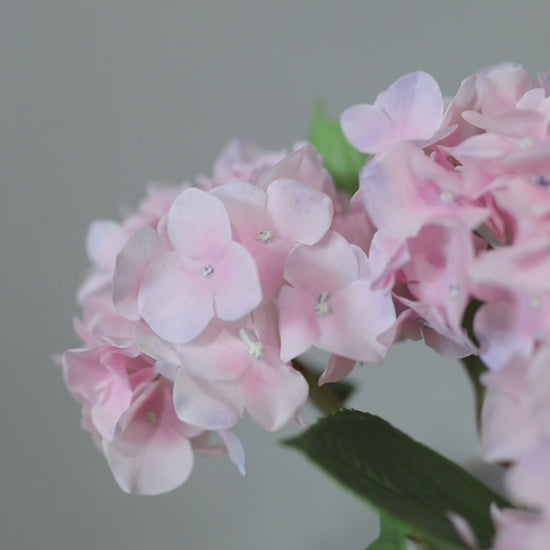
391	536
340	158
409	483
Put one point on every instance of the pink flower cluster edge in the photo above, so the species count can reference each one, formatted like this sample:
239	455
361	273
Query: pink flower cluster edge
458	190
197	304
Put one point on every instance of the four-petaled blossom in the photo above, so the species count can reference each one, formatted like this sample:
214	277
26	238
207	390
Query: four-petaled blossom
411	109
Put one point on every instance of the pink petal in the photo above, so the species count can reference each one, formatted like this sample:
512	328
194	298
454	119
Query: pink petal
152	345
238	290
115	402
246	206
304	166
151	456
300	212
367	128
358	316
235	450
507	432
198	225
328	265
338	368
410	109
140	250
175	299
274	393
208	405
296	328
529	479
538	389
84	374
222	359
103	242
414	102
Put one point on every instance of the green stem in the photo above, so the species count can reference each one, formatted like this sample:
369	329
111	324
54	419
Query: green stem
475	368
323	397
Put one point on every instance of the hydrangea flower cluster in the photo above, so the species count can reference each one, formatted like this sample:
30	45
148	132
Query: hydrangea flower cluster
197	304
458	190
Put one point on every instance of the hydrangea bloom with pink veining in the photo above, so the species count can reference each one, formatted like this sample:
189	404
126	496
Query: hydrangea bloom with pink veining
183	319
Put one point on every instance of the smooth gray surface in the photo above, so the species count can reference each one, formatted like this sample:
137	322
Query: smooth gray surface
99	97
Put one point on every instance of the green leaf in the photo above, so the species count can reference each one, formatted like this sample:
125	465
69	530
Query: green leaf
340	158
409	483
391	536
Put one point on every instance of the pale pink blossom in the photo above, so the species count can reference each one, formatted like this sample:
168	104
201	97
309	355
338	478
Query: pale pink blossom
329	305
403	190
411	109
230	371
207	274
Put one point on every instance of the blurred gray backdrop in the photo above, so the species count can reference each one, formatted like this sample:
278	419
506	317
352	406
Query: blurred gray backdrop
98	98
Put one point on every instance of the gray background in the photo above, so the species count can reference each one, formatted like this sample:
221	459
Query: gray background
99	97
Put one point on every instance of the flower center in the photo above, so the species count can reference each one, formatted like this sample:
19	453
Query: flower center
526	142
322	307
255	348
265	236
207	270
151	417
447	197
454	291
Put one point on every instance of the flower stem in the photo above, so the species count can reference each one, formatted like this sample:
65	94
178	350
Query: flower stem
475	367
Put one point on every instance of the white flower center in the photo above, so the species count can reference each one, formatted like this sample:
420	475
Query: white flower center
454	291
255	348
322	307
447	197
265	236
207	270
526	142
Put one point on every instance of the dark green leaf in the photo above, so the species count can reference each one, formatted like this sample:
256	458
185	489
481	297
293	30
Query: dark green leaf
406	481
340	158
391	536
